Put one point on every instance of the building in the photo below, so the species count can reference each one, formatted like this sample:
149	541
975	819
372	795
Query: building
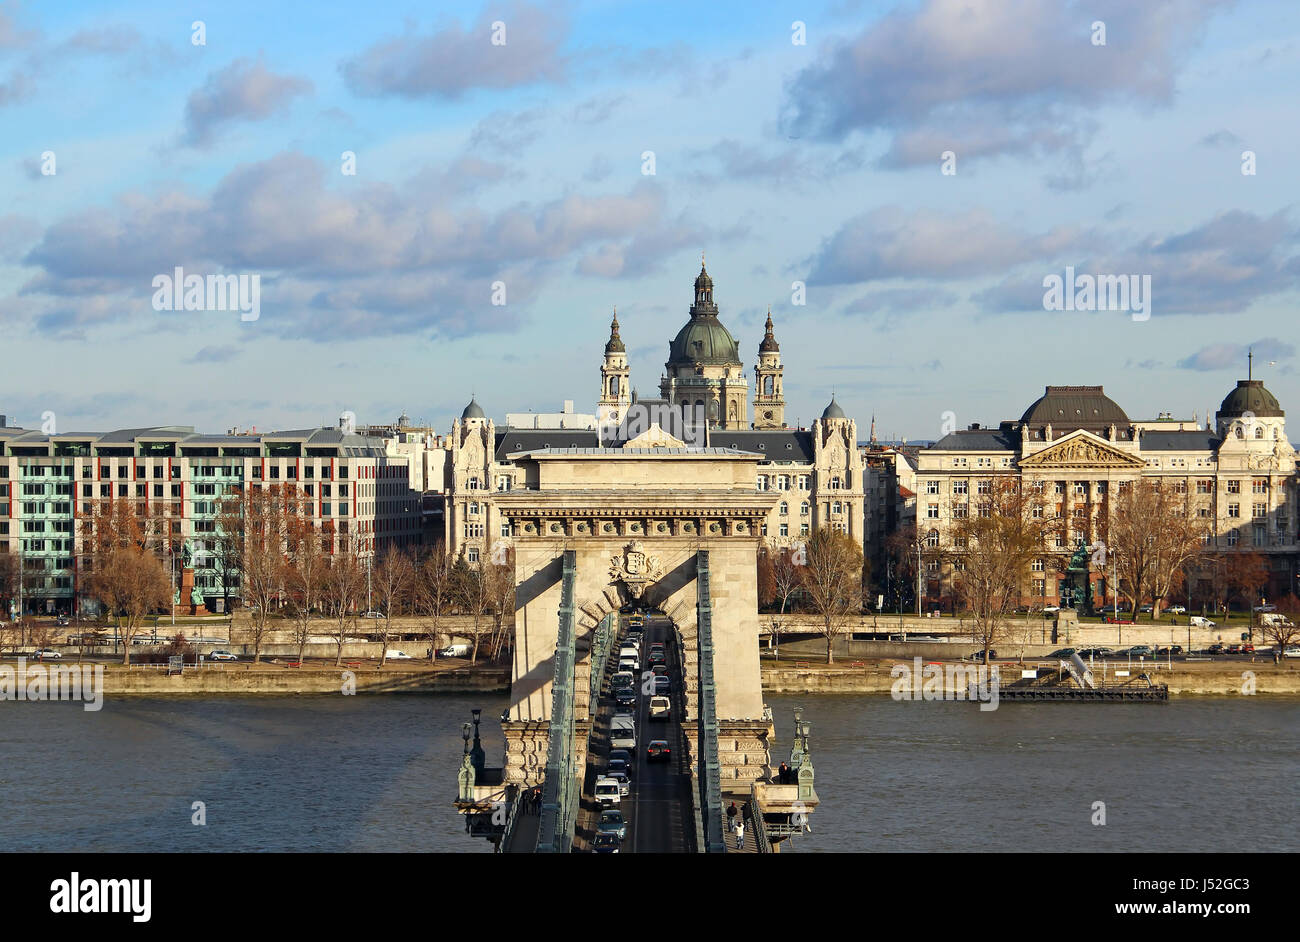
361	489
1081	447
814	476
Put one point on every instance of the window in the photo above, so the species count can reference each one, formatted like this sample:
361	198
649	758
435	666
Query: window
837	507
1036	512
961	487
960	511
1261	536
1259	433
1203	486
1234	510
1040	587
122	490
959	565
1258	510
176	490
1207	539
983	487
782	482
326	509
805	508
503	482
785	529
1060	487
1259	486
505	528
932	487
471	554
803	482
932	538
1036	565
785	508
275	472
473	508
1234	487
1232	538
959	462
762	482
473	484
803	529
835	483
1060	541
87	490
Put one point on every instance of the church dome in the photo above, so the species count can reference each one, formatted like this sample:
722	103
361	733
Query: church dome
833	411
1251	396
704	340
473	411
769	344
1072	407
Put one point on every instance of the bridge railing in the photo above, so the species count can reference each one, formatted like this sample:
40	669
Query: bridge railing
710	763
560	792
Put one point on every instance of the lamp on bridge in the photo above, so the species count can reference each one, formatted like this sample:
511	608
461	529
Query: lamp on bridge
476	755
466	776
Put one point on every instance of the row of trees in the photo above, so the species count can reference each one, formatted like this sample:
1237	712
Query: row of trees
827	572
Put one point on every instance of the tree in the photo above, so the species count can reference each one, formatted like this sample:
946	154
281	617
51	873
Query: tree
1153	535
785	576
994	547
344	586
304	577
1279	631
434	591
832	578
766	579
267	517
473	593
900	548
393	578
499	576
131	583
1246	574
11	574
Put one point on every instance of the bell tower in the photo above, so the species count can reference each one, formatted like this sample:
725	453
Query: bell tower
615	390
769	396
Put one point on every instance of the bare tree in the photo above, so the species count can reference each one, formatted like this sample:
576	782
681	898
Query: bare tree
1246	575
832	578
1279	631
434	592
500	590
132	583
304	577
344	587
785	576
1154	535
994	546
393	578
267	516
473	594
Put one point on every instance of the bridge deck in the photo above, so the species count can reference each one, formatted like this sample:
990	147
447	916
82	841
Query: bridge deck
658	807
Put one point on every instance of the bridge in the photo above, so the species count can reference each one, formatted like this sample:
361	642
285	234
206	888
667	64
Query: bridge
672	531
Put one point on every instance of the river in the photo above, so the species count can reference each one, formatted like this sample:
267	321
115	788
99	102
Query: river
377	773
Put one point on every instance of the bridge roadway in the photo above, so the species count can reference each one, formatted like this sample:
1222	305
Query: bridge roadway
659	806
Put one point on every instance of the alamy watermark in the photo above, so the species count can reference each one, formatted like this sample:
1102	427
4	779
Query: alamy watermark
686	423
84	682
181	292
932	681
1098	293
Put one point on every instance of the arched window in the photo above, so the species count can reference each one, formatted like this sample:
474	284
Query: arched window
1259	431
613	385
785	508
932	538
804	509
836	507
1239	432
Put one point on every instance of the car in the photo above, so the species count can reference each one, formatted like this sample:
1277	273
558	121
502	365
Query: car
1176	610
624	783
399	656
1051	609
657	657
1247	648
1140	650
657	646
373	615
455	650
63	621
1146	609
660	670
661	708
1233	649
45	654
1096	653
1291	650
607	791
612	822
628	664
222	656
617	767
662	685
978	655
1264	608
606	843
1215	649
625	755
622	678
625	696
1172	650
658	751
1063	653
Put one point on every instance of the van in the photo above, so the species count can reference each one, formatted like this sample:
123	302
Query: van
608	791
455	650
1274	619
661	708
1196	621
622	734
623	679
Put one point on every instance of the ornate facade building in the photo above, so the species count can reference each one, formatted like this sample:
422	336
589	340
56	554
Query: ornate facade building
812	476
1239	473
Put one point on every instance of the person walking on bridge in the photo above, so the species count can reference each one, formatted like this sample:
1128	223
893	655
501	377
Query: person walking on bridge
740	834
731	816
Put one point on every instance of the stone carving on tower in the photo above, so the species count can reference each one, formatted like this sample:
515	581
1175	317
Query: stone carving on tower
769	395
635	568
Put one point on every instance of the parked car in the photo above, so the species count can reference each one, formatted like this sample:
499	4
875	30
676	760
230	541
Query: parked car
1233	649
373	615
1063	653
978	655
1172	650
1196	621
1146	609
1176	610
1140	650
612	822
616	767
658	751
222	656
45	654
607	843
399	656
1215	649
1051	609
1096	653
1291	650
1247	648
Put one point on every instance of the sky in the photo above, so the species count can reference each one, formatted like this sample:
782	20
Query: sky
519	170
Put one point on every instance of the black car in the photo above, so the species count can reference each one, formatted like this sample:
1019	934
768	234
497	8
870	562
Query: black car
1215	649
657	657
979	655
621	755
1063	652
658	751
1171	651
625	696
660	670
606	842
618	765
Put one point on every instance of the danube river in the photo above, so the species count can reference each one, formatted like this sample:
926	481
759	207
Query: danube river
378	774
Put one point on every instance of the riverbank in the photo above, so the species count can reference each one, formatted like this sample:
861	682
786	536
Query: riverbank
279	679
1184	678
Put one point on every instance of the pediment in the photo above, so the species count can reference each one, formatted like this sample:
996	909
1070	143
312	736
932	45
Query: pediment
654	437
1081	450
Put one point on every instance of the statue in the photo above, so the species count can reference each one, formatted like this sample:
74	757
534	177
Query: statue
187	555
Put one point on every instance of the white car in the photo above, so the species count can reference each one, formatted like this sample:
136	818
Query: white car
1291	650
373	615
399	656
1051	609
608	790
222	656
45	654
1176	610
624	785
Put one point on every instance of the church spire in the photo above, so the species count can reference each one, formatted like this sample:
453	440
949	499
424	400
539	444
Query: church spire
615	344
769	344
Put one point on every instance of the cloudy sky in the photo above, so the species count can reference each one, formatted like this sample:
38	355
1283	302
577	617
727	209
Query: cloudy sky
525	163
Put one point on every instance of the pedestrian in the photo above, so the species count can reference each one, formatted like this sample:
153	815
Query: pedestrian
731	815
784	774
740	834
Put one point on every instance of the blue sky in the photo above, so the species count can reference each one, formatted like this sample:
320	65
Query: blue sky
523	164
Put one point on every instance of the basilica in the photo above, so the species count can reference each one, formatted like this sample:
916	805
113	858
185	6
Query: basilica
812	477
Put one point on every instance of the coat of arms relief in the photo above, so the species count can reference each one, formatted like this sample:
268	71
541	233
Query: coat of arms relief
635	568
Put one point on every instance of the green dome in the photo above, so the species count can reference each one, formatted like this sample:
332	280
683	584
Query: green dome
1251	396
704	340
